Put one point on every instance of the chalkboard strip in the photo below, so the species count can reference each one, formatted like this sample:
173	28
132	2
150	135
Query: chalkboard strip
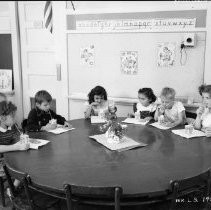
200	16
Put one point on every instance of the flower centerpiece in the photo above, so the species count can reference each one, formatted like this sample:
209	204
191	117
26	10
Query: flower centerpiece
114	130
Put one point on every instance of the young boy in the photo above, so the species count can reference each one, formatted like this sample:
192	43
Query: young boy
42	118
171	111
203	119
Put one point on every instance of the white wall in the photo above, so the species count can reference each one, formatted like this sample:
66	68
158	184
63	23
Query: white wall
8	25
77	98
91	7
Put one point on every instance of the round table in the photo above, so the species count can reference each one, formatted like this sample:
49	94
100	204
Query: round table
75	158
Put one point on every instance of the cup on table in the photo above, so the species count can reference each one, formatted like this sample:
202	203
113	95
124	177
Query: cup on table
161	119
189	129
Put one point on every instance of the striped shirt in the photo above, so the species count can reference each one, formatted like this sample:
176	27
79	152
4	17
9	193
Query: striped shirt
8	137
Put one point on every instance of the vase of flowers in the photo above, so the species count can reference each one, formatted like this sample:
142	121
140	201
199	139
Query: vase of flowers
114	130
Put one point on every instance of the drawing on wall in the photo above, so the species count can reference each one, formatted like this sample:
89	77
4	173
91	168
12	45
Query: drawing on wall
166	54
129	62
5	80
87	55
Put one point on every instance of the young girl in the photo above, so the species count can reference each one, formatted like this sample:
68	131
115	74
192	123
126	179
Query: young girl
203	119
144	110
170	113
98	103
8	131
9	135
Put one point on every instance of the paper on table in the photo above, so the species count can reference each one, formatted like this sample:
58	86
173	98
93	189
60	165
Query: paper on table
97	119
181	132
127	143
60	129
134	121
36	143
158	125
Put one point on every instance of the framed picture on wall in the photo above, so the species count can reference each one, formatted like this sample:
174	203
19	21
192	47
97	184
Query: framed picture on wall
5	80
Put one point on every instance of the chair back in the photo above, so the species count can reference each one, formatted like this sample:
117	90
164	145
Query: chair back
190	185
24	124
105	196
22	177
190	114
46	190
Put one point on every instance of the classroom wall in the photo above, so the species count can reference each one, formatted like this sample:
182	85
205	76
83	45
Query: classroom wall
77	97
123	88
9	30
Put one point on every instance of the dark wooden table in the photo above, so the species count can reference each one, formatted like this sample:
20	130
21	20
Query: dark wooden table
75	158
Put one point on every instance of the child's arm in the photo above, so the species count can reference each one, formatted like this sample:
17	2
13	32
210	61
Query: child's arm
159	111
14	147
177	122
198	121
60	120
148	118
32	121
88	111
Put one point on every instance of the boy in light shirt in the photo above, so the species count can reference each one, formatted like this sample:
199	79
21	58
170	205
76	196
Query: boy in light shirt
170	113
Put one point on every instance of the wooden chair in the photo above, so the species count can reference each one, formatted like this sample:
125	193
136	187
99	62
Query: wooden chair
195	186
2	188
23	125
2	181
52	196
20	200
97	196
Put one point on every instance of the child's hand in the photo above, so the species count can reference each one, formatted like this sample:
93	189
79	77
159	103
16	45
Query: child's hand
200	110
22	145
67	125
148	118
208	132
94	104
112	109
49	127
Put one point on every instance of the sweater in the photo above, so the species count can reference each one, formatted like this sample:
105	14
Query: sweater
38	118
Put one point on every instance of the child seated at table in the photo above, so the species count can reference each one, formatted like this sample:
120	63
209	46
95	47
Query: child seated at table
42	118
98	104
170	113
203	119
9	134
145	109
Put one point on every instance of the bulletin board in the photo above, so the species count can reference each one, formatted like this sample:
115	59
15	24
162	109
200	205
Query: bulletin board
106	67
